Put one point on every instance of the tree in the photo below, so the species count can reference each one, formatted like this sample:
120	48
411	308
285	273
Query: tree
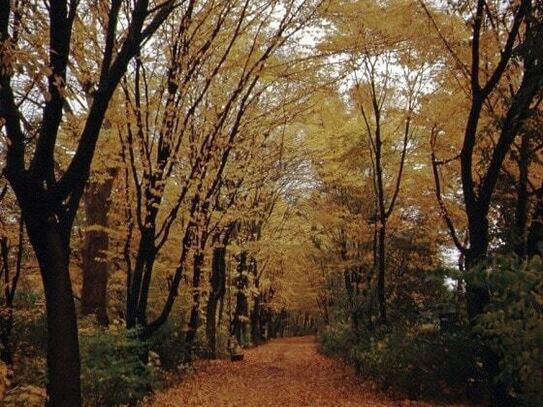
378	91
389	72
97	200
502	38
206	89
49	200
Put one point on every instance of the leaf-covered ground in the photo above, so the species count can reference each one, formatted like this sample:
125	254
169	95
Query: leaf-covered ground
285	372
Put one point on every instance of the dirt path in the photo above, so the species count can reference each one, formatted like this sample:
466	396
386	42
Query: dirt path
286	372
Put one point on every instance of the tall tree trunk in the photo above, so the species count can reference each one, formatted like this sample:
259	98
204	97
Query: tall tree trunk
241	300
256	336
51	245
195	309
95	268
49	232
521	209
381	268
256	333
283	319
272	333
263	320
218	288
477	297
136	301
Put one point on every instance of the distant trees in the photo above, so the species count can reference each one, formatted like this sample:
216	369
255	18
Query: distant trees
389	73
344	233
373	100
187	116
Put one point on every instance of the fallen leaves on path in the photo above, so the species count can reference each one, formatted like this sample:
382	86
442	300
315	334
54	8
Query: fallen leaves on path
285	372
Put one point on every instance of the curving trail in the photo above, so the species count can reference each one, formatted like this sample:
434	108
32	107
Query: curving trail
285	372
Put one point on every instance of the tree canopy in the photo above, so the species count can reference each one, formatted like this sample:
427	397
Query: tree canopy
181	179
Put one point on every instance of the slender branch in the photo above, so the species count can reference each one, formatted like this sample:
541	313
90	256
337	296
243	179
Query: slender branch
407	131
507	50
111	30
443	208
463	68
475	47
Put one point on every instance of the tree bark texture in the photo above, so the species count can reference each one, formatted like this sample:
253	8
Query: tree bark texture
95	267
241	309
218	289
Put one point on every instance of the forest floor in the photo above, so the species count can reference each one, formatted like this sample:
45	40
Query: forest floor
285	372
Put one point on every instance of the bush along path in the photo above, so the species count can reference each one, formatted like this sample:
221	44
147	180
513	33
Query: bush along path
284	372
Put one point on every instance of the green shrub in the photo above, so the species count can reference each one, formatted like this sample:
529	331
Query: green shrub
30	321
112	370
169	343
421	365
336	339
512	324
29	346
